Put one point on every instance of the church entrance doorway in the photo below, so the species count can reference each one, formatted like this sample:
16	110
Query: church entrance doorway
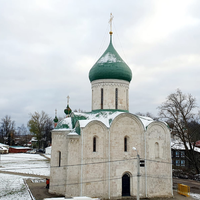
126	185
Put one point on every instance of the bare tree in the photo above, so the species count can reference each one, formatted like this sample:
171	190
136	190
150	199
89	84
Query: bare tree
23	135
22	130
178	111
47	132
40	125
7	130
148	114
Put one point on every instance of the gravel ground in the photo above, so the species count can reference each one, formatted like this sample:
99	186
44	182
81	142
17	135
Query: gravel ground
39	190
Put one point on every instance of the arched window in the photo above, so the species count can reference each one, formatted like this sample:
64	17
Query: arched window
101	98
94	144
116	98
156	150
125	144
59	159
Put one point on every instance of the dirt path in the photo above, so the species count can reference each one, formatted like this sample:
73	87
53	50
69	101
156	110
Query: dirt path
45	156
23	174
39	190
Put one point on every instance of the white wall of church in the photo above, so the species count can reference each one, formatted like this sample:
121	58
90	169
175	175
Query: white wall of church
65	164
159	169
133	130
109	86
94	174
73	170
58	160
85	172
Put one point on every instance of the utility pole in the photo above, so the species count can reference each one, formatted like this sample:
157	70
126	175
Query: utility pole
138	174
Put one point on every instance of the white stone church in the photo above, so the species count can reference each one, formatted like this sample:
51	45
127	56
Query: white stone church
92	153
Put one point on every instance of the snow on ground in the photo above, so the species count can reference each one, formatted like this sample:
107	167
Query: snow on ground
48	155
12	187
195	196
25	163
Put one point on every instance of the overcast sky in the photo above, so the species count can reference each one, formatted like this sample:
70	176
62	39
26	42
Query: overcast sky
47	48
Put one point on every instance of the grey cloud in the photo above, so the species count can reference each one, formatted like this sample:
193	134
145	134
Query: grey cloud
48	47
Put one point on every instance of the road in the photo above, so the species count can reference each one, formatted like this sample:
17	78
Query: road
194	185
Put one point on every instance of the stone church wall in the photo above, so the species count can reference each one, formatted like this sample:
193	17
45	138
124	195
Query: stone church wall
57	183
158	165
95	163
85	172
126	125
73	170
65	167
109	86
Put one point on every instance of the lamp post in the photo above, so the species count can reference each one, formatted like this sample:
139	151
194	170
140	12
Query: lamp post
138	174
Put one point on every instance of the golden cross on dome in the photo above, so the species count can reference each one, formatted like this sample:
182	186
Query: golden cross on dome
55	112
68	100
110	21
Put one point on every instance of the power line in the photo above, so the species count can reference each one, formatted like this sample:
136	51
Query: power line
120	42
102	43
104	180
92	163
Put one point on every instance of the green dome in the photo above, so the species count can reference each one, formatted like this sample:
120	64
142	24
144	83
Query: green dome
110	66
67	110
55	119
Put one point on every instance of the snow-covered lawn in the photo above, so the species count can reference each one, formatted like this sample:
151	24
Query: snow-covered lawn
12	187
48	155
25	163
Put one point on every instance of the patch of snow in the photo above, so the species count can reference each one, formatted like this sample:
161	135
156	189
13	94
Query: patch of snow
65	121
4	145
177	144
63	129
107	117
145	120
48	150
56	198
103	117
195	196
109	58
48	155
19	147
3	148
12	187
73	198
25	163
82	198
73	133
33	139
84	123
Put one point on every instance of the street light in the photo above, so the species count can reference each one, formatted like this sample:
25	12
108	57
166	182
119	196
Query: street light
138	174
